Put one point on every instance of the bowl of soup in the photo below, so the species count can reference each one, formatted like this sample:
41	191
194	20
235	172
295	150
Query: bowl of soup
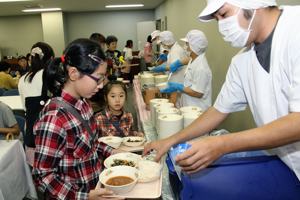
119	179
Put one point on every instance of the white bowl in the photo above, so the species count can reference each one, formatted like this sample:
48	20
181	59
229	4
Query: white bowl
149	171
117	172
120	79
112	141
188	109
162	86
133	141
126	158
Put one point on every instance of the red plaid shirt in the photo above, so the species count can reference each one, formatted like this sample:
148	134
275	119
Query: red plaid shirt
67	162
105	121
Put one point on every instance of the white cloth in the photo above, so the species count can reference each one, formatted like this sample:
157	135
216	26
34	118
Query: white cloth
269	95
32	89
177	52
198	77
15	176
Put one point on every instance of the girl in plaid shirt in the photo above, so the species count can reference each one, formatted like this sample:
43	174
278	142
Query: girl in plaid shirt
114	120
68	156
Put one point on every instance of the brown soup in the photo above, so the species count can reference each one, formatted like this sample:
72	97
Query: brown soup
119	180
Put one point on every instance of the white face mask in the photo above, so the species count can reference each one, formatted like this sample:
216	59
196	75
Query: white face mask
232	31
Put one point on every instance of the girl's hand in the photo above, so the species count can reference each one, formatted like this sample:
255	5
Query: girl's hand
99	193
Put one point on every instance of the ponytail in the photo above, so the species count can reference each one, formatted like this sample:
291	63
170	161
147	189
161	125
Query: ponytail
56	76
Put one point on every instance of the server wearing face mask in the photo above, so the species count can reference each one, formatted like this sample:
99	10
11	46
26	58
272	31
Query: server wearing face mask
196	88
264	77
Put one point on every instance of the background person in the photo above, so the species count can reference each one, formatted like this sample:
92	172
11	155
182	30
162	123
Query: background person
196	88
114	120
8	122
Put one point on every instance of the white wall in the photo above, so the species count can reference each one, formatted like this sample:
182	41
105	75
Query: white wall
121	24
18	34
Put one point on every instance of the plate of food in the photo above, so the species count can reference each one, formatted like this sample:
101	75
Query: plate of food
126	158
133	141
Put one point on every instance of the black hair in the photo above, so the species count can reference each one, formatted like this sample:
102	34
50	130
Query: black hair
129	43
39	61
83	54
97	37
22	57
107	88
4	66
149	39
110	39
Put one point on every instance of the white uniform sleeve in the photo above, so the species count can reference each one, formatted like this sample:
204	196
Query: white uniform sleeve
294	91
201	80
232	97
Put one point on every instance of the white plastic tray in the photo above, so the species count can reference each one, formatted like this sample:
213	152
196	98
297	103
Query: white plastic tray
150	190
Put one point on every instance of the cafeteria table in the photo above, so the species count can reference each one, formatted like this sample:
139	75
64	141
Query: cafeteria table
15	177
14	102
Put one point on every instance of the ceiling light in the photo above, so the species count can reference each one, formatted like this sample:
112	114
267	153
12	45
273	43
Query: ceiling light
125	6
41	10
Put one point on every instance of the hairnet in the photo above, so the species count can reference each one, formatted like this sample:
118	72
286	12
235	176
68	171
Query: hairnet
214	5
167	38
155	34
197	41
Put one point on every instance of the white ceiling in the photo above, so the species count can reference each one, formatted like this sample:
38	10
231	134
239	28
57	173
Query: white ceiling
15	8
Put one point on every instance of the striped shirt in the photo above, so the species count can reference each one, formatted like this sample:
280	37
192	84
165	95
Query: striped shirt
67	162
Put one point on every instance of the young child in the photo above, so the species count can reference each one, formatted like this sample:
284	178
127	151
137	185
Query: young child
68	156
113	120
113	56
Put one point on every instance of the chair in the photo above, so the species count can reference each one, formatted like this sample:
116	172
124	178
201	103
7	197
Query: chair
2	91
12	92
21	122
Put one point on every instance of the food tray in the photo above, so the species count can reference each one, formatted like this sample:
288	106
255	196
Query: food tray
149	190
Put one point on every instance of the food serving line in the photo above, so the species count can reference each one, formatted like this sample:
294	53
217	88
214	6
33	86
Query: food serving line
144	122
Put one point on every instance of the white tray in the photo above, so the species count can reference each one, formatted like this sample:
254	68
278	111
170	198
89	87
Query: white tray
150	190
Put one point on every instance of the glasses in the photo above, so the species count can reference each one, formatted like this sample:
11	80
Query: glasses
98	80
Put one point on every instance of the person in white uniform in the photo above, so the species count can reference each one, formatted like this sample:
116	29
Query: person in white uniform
176	53
265	77
196	89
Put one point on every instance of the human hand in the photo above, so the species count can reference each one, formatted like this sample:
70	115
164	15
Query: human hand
160	68
173	87
202	152
160	146
174	66
99	193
